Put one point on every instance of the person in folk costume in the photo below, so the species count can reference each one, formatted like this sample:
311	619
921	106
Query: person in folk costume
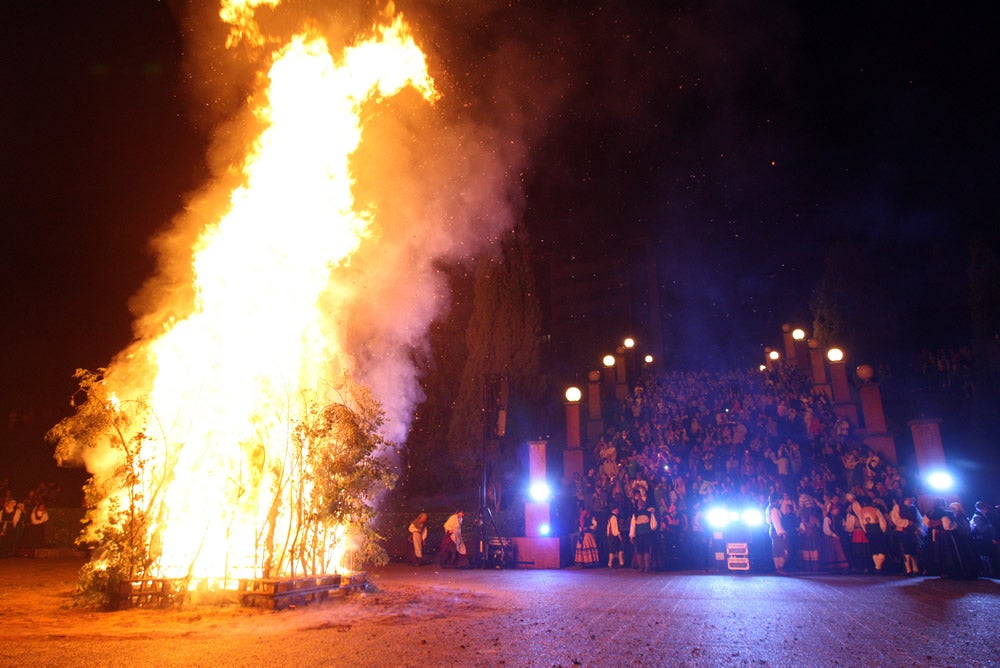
586	544
875	527
640	532
959	556
933	521
831	548
810	534
779	536
906	519
10	528
615	547
34	530
861	553
453	545
790	522
418	534
984	537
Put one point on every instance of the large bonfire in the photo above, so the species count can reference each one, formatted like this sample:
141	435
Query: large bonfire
239	435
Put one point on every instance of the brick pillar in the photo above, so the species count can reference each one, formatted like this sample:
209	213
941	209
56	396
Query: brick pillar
927	444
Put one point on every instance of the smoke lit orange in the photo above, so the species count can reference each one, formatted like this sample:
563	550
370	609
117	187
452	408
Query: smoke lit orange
215	401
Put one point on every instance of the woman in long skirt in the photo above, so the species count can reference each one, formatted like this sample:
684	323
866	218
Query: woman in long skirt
586	544
831	550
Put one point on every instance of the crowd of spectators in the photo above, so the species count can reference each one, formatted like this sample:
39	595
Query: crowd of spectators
683	442
22	522
949	371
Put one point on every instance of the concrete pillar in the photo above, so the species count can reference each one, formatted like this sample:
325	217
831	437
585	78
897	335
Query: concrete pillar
573	455
595	421
821	382
594	395
621	376
871	408
876	435
802	361
789	342
842	404
927	444
537	549
537	515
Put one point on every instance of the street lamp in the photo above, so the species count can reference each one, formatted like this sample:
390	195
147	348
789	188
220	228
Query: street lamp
573	396
800	345
608	360
629	342
770	357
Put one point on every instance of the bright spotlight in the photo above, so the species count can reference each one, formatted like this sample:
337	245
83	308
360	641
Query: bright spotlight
717	517
941	481
544	529
540	491
753	517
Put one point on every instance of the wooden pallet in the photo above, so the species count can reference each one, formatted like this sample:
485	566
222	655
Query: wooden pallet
149	593
276	593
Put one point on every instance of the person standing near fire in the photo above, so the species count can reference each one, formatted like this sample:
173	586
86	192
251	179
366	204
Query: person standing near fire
418	534
453	545
10	528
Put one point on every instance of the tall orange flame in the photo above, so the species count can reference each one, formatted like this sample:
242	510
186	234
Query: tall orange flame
224	386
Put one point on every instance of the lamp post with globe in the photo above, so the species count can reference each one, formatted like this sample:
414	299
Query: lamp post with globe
843	407
876	433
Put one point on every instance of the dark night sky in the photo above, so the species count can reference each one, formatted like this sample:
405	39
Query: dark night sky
740	140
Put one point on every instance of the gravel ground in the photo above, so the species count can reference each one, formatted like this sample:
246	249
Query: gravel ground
429	617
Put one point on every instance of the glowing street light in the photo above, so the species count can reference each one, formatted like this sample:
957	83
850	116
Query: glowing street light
573	394
608	360
798	334
648	359
835	355
629	342
774	356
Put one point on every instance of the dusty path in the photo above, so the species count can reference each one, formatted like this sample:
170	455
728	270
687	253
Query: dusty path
428	617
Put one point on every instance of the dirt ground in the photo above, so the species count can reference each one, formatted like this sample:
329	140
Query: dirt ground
431	617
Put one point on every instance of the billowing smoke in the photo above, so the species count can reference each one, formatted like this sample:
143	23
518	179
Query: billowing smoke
437	185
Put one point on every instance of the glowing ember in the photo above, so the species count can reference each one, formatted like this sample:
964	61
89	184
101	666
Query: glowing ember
230	433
